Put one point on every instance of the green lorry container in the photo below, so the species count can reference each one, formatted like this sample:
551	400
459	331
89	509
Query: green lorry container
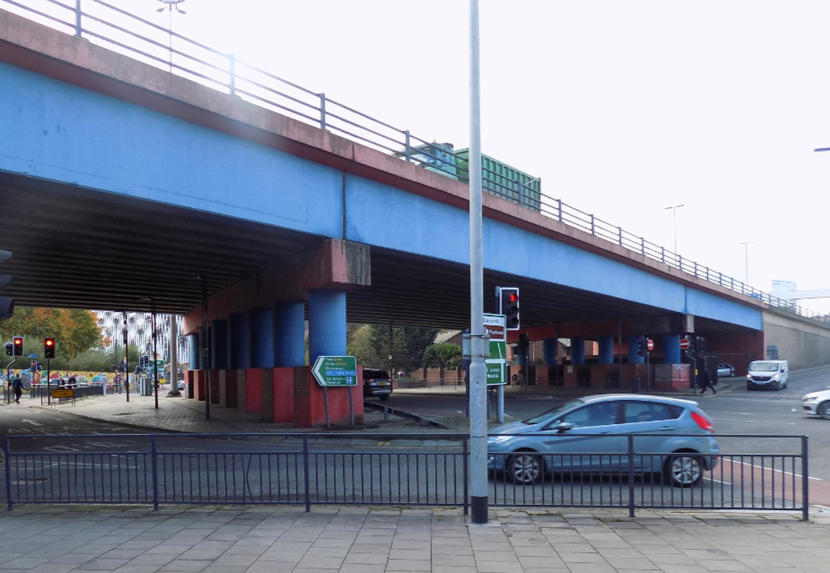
502	180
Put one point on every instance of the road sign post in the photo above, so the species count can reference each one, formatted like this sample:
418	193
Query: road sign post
496	364
336	371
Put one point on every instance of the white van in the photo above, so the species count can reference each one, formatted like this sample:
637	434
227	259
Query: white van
767	374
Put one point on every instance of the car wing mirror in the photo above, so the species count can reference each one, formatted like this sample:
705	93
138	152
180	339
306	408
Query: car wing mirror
561	427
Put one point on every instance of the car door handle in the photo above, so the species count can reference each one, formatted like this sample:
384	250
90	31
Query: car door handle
667	429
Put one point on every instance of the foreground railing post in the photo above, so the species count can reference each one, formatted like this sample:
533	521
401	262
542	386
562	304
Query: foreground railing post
631	475
7	462
805	480
154	458
306	471
466	463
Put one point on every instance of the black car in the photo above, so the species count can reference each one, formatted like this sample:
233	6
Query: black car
376	383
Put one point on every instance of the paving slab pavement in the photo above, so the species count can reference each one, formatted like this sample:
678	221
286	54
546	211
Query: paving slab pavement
234	539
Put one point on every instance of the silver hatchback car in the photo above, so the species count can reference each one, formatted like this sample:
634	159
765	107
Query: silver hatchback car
589	435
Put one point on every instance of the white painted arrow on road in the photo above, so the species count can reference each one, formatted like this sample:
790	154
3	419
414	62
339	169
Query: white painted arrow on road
32	422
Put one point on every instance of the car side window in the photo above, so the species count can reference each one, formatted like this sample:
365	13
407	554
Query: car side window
650	412
602	414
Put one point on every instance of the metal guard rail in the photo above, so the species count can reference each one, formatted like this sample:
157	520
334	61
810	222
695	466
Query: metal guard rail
224	72
607	470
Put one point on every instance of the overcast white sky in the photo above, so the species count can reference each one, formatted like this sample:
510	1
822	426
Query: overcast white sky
621	107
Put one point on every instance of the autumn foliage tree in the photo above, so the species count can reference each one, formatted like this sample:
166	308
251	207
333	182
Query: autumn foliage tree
75	331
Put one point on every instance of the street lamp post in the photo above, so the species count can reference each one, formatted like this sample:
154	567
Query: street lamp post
746	260
674	209
169	5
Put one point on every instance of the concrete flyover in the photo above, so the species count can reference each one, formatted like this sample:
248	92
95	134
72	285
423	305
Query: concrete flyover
120	181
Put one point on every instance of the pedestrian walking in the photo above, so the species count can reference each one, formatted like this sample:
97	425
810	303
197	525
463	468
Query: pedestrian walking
17	386
706	382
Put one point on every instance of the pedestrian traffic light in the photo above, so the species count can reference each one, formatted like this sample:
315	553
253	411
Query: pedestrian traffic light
508	299
17	342
49	348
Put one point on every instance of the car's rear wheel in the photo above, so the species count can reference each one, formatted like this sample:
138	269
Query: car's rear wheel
684	469
524	468
824	410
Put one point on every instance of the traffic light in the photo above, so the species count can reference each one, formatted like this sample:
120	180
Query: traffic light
9	349
17	342
33	367
49	348
508	299
641	347
701	345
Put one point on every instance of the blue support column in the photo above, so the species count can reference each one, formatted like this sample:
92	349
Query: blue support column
326	324
261	329
577	351
671	349
633	357
549	350
194	350
289	333
239	348
606	349
219	345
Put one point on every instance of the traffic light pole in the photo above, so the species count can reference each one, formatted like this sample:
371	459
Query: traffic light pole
478	390
155	356
48	384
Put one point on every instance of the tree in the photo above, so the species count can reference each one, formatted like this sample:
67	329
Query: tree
358	345
444	355
408	345
75	331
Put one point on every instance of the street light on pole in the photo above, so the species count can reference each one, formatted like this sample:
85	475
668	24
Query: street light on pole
746	259
169	5
674	209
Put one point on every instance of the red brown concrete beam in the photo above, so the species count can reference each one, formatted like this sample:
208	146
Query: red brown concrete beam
336	264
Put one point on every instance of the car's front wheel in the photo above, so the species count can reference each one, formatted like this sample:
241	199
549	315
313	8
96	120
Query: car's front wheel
684	469
824	410
524	468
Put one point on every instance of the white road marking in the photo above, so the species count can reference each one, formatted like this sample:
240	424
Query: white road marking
774	470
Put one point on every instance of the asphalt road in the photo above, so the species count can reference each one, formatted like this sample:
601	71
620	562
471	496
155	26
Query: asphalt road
111	464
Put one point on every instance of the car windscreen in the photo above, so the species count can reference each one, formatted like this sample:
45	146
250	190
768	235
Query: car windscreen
545	416
764	366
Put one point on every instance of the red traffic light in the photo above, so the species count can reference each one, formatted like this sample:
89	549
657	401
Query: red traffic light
50	342
514	297
49	347
18	345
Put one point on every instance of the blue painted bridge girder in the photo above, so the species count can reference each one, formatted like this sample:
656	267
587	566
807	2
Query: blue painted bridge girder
69	135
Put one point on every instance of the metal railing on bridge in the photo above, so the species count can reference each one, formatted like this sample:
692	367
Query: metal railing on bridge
121	31
399	469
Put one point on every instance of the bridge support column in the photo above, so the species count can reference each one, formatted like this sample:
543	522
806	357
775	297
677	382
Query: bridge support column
549	350
239	348
633	357
327	337
671	349
194	351
289	333
606	349
218	345
577	351
261	327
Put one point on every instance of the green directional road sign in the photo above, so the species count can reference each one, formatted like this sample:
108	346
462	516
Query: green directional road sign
335	370
494	327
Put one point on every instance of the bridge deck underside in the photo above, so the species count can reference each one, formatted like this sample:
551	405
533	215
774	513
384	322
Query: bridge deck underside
76	248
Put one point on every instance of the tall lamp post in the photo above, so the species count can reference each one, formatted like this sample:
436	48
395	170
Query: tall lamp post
746	260
674	209
169	5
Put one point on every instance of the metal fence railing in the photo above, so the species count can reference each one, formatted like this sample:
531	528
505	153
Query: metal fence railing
108	25
597	471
